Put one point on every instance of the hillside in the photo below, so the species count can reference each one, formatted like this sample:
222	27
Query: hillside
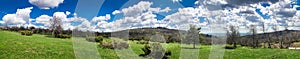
146	33
286	37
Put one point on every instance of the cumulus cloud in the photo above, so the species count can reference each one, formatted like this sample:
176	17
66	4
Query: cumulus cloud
176	0
101	18
75	18
22	16
68	13
183	18
139	15
116	12
44	19
242	14
46	4
247	2
282	12
2	22
84	26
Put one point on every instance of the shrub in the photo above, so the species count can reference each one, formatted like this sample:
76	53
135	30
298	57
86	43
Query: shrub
63	36
146	50
106	45
95	39
230	47
142	42
26	32
120	44
114	44
155	51
167	55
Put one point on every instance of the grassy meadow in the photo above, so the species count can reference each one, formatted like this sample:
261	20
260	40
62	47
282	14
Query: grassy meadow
16	46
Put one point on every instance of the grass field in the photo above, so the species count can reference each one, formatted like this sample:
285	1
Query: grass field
15	46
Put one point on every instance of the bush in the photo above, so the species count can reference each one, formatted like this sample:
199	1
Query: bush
146	50
95	39
142	42
63	36
155	51
120	44
114	44
106	45
230	47
26	32
167	55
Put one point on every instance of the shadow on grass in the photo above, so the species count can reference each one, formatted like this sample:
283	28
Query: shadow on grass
50	36
189	48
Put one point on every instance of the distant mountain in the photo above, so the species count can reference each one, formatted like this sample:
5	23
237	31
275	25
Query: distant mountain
287	36
279	33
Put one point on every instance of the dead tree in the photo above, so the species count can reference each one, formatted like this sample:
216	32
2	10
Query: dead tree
56	26
253	32
233	35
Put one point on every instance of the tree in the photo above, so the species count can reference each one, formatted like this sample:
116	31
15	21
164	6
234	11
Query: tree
275	28
268	35
253	32
233	35
56	28
192	36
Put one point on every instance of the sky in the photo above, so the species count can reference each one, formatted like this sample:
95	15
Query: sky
213	16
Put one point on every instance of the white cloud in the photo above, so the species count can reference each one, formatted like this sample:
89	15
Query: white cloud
22	16
116	12
46	4
101	18
137	9
143	15
68	13
136	16
176	0
84	26
44	19
60	15
282	13
183	18
76	19
2	22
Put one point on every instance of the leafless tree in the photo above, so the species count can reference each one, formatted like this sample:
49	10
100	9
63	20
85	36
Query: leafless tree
253	31
275	28
268	35
56	26
193	35
233	35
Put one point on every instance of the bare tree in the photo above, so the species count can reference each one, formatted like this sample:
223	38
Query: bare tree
253	32
193	35
233	35
289	36
268	35
56	26
275	28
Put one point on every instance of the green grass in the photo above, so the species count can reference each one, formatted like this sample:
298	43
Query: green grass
15	46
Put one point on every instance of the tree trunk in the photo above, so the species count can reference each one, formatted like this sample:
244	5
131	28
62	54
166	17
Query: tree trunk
194	44
269	41
234	44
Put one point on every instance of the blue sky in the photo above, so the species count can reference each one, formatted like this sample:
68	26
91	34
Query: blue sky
176	14
10	6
